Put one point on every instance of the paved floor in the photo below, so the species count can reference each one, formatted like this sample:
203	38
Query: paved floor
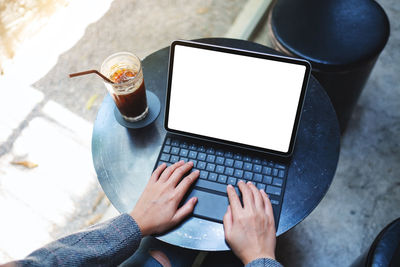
46	119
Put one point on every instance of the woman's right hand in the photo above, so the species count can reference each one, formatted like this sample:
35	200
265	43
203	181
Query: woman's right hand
250	229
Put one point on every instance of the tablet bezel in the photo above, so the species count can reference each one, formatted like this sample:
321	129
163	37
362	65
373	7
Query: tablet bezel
243	53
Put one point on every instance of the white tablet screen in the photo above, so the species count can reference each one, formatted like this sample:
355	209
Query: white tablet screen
242	99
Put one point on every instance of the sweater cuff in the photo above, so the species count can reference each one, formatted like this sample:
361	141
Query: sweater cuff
265	262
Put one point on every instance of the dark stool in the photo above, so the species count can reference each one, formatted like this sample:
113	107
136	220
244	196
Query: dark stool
342	39
385	250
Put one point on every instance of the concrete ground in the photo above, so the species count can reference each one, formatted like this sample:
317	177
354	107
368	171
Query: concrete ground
47	118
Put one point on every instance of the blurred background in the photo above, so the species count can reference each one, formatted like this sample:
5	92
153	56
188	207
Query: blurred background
48	186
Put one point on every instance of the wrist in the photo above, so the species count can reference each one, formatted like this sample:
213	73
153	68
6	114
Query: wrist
143	230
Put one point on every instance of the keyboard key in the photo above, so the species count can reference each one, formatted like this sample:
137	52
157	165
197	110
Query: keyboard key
228	155
175	142
194	162
277	182
175	150
257	177
238	173
280	166
211	185
271	164
167	149
281	174
192	147
212	176
168	141
174	159
219	160
237	156
273	190
274	202
257	168
210	158
248	166
184	145
275	172
203	174
232	180
267	179
247	158
192	154
210	150
210	167
229	162
164	157
256	160
219	152
229	171
222	178
184	159
201	149
266	170
248	176
238	164
220	169
184	152
201	165
201	156
261	186
264	162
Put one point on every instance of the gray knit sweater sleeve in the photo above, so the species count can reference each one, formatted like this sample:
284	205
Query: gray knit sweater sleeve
265	262
105	244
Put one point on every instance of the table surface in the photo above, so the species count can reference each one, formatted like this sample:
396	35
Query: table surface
124	158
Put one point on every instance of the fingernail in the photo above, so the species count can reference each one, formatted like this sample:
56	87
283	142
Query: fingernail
249	182
191	162
230	186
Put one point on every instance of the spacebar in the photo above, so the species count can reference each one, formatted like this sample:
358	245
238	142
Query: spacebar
221	188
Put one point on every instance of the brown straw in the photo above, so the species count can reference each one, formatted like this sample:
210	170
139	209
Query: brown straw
90	72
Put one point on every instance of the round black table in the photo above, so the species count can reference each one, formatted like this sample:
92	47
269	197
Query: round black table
124	158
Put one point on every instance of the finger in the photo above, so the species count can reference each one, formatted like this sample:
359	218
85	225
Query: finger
157	172
268	207
258	200
185	184
184	211
247	195
168	171
234	201
177	175
227	220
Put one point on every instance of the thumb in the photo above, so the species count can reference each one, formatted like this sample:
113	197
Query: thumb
228	220
184	211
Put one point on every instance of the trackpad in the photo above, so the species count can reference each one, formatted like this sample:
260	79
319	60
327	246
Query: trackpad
209	206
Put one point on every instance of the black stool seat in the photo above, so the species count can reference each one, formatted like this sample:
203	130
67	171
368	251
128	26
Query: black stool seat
385	250
331	34
341	38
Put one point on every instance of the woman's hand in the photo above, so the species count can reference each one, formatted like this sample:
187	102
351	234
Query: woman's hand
250	229
157	208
